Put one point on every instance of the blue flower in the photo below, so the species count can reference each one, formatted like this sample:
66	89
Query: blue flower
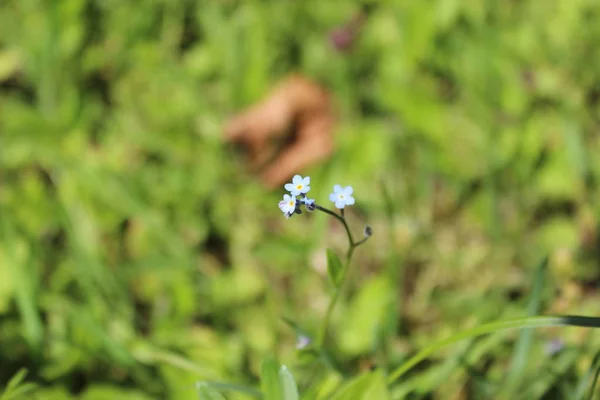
288	205
298	186
342	197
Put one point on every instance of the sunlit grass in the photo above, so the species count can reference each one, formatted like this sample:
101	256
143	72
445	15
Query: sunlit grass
140	259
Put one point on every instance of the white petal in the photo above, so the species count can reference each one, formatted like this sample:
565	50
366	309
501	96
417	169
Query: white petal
287	208
337	189
305	189
349	200
289	187
297	179
286	197
333	197
284	207
340	204
348	190
306	181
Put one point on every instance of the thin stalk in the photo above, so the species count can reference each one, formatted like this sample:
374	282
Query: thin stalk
341	219
361	241
325	326
338	289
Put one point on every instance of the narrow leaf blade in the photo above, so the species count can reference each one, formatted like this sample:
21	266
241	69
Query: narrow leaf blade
288	384
206	392
270	383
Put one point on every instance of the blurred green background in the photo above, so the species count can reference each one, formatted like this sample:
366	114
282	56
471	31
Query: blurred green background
137	255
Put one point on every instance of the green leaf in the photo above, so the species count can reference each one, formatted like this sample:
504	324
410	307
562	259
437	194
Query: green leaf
277	382
15	388
16	379
362	324
223	387
206	392
270	383
21	392
290	390
334	268
370	385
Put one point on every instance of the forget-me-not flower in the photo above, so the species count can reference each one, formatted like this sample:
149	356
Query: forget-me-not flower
298	186
288	205
342	197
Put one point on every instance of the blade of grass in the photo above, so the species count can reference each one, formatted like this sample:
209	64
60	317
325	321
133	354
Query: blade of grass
288	384
23	279
519	323
151	355
269	380
523	346
16	380
585	379
595	367
594	383
16	388
207	392
231	387
549	377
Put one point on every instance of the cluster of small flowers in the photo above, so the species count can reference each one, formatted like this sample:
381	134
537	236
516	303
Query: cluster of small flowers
299	187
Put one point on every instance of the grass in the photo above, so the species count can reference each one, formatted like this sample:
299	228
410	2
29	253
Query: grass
139	259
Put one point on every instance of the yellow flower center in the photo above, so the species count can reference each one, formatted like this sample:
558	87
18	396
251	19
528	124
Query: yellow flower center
292	204
299	187
342	196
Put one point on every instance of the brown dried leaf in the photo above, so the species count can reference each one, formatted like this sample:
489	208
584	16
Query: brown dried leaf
296	103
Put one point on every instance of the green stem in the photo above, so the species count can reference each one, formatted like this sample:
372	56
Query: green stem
342	220
529	322
361	241
338	289
325	326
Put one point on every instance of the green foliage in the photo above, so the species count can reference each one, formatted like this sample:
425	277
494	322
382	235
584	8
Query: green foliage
288	384
277	382
370	385
139	258
205	392
270	383
16	388
521	353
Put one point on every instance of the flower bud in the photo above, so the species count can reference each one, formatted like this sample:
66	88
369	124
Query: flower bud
368	231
